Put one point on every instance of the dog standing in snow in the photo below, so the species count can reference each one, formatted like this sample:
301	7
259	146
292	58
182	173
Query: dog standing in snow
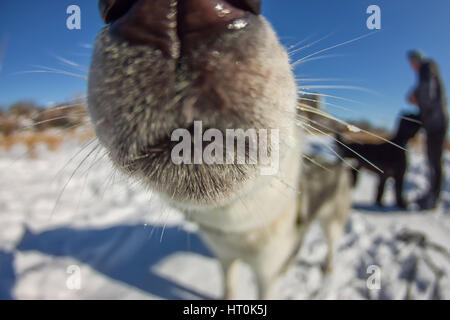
161	65
387	160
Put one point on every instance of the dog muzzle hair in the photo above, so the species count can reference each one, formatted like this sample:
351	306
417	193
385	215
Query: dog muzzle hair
161	65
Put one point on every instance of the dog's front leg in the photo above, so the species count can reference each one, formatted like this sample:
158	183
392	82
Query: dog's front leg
229	277
399	190
265	286
332	230
380	191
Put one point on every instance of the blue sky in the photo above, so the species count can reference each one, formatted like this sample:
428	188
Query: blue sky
36	35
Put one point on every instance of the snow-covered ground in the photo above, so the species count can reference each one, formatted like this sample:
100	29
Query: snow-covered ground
122	242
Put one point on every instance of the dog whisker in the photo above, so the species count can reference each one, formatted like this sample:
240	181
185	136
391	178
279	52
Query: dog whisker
54	72
336	132
86	124
347	147
328	104
354	88
309	45
335	106
86	175
349	126
316	163
295	189
328	147
322	57
321	79
85	45
71	64
334	47
50	120
70	178
82	148
64	107
332	97
295	46
412	120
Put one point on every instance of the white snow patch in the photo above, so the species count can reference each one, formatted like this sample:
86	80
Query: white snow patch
129	245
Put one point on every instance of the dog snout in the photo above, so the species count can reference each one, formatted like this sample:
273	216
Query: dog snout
175	26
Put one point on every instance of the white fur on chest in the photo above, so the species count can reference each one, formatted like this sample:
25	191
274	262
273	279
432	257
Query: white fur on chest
268	197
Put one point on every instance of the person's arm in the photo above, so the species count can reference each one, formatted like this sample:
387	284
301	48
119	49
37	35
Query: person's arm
425	92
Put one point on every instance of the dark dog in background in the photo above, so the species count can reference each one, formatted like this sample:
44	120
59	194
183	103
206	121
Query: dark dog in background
388	157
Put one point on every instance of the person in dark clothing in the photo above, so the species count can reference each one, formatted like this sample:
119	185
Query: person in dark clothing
429	96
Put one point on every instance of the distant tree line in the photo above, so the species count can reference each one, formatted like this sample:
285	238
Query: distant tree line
28	115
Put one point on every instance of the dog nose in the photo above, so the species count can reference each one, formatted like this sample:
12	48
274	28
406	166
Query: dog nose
175	26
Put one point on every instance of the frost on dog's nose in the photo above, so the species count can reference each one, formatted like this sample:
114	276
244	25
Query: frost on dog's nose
175	26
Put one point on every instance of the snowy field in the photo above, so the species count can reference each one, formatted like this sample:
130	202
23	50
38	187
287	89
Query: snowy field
125	244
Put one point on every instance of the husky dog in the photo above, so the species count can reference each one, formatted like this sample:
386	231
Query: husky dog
160	65
326	197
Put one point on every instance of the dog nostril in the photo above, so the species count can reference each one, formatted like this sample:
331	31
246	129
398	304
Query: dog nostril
111	10
175	26
150	22
253	6
199	20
